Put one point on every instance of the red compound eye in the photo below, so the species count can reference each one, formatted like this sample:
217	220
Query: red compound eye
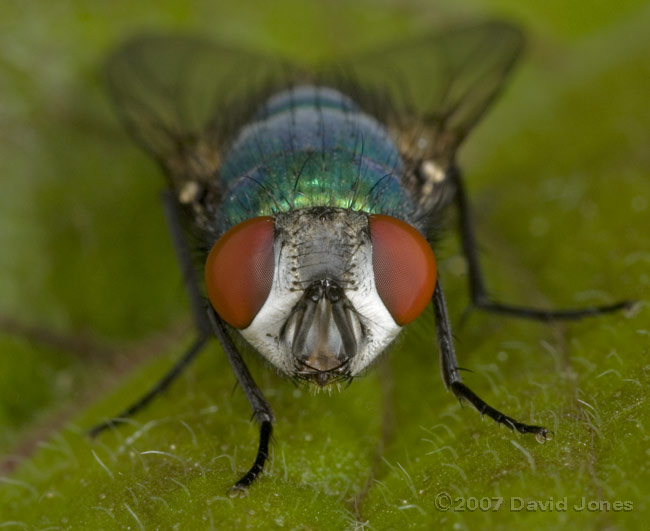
404	266
239	271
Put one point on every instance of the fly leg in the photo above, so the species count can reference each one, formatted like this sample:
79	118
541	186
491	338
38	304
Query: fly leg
452	379
205	325
213	324
262	412
198	312
157	389
478	292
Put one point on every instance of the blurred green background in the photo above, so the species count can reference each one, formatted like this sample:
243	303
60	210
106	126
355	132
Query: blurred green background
92	309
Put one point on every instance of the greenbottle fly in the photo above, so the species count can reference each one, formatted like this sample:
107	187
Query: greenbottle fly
315	194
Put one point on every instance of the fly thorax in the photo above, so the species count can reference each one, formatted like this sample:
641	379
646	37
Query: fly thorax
323	320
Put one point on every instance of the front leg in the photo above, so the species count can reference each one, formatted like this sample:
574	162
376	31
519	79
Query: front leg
183	255
261	408
452	379
478	291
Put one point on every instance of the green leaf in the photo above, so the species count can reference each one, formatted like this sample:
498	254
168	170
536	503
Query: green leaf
93	309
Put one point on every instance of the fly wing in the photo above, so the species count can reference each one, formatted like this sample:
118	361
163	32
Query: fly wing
431	92
182	98
443	82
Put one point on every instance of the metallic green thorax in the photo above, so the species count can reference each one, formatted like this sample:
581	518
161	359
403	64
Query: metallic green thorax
311	146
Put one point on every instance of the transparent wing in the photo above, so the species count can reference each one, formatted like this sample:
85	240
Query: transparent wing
435	89
182	97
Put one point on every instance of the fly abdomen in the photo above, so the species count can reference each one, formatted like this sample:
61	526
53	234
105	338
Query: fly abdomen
307	147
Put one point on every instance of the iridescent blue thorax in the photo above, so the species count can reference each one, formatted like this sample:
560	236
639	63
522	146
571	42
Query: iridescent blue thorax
311	146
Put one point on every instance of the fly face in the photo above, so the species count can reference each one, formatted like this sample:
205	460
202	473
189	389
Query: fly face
331	307
311	327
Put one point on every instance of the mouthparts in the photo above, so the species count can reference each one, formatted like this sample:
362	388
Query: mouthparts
324	334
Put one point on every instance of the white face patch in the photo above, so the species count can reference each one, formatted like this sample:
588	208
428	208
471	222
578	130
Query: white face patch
380	327
264	331
352	270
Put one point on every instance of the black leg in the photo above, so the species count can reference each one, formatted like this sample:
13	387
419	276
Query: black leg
158	388
213	324
478	292
184	257
261	409
262	412
181	248
453	381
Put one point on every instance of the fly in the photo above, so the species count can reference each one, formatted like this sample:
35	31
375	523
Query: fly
315	194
